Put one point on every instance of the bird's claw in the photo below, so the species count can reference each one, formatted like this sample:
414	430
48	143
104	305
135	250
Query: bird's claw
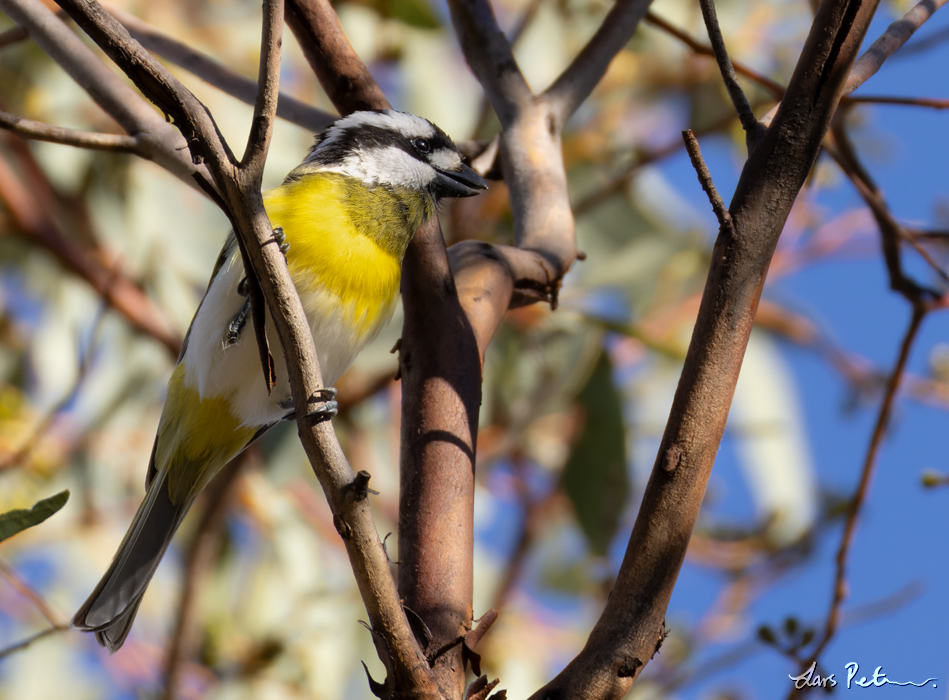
322	405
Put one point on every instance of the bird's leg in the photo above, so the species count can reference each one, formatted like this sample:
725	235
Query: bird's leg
322	405
243	287
281	239
237	323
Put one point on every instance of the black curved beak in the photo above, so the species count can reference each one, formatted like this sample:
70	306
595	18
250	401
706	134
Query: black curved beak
463	182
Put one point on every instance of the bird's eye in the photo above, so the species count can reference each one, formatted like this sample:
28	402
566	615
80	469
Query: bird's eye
422	145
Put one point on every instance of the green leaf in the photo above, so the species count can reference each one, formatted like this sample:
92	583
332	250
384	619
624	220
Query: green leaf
15	521
595	477
415	13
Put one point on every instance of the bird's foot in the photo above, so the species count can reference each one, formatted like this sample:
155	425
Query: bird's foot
321	407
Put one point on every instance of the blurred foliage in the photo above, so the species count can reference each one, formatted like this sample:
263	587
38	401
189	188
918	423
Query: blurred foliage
574	400
15	521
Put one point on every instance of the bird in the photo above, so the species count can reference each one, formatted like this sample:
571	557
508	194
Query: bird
344	218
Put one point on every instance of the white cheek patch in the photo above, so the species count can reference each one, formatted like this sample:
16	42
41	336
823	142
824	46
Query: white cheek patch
445	159
390	165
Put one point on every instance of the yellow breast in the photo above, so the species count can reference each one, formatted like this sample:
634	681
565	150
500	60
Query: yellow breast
346	241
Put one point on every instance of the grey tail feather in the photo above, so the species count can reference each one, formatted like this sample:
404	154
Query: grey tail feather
110	609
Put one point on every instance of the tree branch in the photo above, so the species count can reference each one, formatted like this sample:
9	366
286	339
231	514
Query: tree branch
221	77
38	131
489	54
859	497
440	369
889	42
158	140
576	83
631	626
340	71
753	129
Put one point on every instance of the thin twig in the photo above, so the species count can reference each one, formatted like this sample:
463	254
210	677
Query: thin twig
891	231
27	128
930	102
28	592
20	646
753	129
773	87
863	487
705	179
621	180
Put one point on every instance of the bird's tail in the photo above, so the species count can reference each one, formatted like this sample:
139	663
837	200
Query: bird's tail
110	609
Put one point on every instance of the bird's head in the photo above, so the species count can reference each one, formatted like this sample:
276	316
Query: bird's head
393	149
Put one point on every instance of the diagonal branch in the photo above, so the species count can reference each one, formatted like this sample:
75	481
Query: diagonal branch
887	44
753	129
576	83
218	75
489	54
158	140
340	71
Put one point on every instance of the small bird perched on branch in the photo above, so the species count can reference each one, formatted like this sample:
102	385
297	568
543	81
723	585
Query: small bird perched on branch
347	214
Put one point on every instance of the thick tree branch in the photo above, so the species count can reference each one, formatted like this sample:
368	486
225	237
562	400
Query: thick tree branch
340	71
441	396
489	54
631	627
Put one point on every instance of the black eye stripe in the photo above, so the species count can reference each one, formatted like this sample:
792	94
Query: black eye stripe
367	137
